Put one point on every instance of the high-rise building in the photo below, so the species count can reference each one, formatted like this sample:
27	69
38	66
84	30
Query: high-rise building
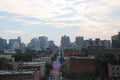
97	42
43	42
3	43
34	43
116	41
79	42
12	41
51	43
16	45
106	43
65	42
89	42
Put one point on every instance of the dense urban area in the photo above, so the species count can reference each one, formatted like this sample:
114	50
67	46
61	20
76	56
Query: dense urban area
42	59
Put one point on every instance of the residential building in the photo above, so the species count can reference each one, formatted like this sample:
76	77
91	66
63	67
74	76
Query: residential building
97	42
51	43
29	66
116	41
3	43
43	42
81	65
113	71
106	43
15	43
9	57
65	42
19	75
79	42
34	43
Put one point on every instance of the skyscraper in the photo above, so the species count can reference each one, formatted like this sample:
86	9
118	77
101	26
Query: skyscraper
3	43
65	42
43	42
79	42
116	41
51	43
97	42
12	41
34	43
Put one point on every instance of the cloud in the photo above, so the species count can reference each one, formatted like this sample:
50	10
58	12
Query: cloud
24	21
91	16
13	32
2	17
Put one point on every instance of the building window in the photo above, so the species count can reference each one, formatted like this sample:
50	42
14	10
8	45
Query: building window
112	68
118	73
113	73
117	68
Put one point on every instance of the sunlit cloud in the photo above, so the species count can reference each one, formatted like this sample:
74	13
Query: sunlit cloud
100	18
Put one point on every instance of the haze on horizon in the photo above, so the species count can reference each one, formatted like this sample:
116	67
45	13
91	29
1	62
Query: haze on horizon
55	18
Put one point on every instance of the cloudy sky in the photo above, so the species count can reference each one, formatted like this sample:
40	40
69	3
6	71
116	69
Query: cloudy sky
54	18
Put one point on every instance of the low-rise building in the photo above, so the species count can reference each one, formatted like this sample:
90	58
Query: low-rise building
19	75
113	72
9	57
30	66
79	65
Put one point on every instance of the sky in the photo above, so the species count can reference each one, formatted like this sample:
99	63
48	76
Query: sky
55	18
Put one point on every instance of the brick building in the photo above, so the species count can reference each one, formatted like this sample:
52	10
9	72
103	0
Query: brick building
19	75
113	72
95	50
85	65
71	52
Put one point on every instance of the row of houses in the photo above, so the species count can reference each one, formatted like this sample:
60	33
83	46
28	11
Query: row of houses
34	70
78	63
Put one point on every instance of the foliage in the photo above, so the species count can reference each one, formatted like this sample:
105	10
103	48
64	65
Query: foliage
48	66
84	50
1	51
24	56
3	63
47	72
106	57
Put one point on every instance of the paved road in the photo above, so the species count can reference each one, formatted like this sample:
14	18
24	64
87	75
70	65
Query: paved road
55	76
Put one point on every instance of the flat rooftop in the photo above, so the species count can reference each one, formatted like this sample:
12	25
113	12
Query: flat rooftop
15	72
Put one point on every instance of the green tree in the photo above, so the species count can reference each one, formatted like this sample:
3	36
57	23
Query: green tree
24	56
1	51
3	63
84	50
106	57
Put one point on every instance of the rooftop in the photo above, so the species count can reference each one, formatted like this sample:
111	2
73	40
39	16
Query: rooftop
2	72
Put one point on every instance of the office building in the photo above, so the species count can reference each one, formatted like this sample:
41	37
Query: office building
79	42
43	42
65	42
15	42
34	43
116	41
51	43
3	43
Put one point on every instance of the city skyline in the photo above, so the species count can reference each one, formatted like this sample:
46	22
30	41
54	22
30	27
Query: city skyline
70	41
53	18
